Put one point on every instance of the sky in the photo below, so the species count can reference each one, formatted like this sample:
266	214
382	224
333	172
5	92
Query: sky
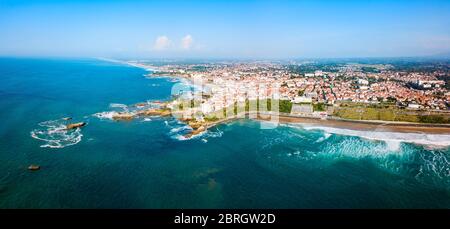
224	29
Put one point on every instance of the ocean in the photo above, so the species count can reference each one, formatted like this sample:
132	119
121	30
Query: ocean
146	163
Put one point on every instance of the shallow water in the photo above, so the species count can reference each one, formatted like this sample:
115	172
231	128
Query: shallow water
146	163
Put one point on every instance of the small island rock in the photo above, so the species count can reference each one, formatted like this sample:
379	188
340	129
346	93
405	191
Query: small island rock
75	125
34	167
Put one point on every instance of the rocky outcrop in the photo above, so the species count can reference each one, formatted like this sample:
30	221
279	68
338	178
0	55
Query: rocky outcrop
195	124
154	112
183	119
75	125
123	116
195	131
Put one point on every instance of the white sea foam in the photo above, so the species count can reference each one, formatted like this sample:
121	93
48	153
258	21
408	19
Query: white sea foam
180	137
436	163
214	134
325	137
119	105
385	149
105	115
180	128
393	145
55	134
392	139
110	114
177	130
356	148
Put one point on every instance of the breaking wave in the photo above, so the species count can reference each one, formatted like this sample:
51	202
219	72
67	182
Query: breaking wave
392	139
427	159
110	114
177	129
325	137
358	148
180	129
55	134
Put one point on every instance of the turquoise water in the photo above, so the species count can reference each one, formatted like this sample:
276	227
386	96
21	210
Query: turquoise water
144	164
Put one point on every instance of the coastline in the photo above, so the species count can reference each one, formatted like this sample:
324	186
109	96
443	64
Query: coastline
361	125
378	126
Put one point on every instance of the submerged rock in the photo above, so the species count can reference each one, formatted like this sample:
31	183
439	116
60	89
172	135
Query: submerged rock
75	125
34	167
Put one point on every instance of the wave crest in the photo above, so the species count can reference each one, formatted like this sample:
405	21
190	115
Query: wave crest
392	139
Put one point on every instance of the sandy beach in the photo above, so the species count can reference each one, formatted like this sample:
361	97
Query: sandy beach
375	125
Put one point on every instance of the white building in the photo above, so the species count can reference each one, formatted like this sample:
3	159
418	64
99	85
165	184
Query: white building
302	99
363	82
206	108
413	106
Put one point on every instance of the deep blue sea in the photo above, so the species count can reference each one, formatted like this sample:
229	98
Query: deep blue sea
145	164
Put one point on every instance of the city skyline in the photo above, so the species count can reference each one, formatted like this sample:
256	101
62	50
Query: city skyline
219	29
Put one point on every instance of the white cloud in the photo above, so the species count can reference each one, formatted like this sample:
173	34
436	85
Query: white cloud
187	42
162	43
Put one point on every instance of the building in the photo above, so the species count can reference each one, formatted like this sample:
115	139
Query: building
302	99
363	82
302	109
413	106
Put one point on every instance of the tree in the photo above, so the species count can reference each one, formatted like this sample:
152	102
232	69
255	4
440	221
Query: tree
285	106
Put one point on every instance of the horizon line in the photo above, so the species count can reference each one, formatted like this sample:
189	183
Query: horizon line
440	57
